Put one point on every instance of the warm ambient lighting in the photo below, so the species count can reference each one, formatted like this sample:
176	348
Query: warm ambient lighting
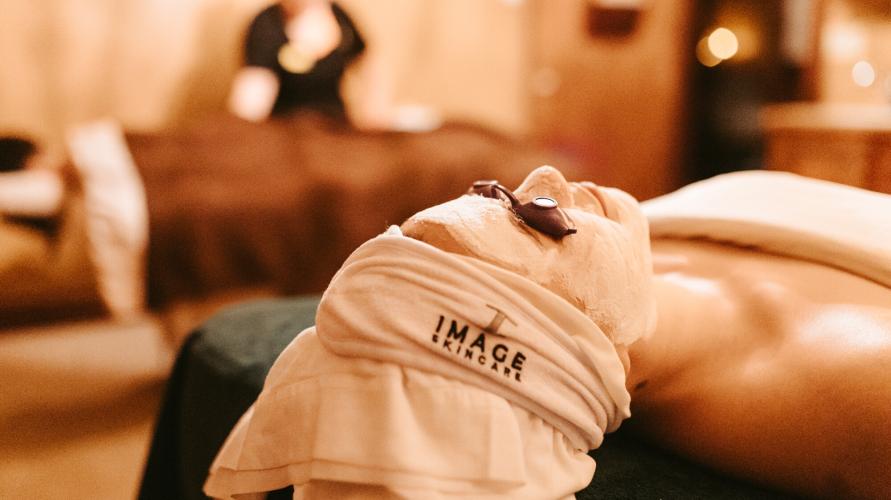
723	43
863	73
705	55
719	45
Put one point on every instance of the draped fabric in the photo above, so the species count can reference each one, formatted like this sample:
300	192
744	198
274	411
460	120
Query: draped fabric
785	214
429	374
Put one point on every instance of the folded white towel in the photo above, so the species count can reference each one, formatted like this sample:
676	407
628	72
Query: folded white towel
116	211
432	372
786	214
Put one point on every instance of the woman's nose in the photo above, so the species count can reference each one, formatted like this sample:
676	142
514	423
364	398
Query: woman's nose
545	181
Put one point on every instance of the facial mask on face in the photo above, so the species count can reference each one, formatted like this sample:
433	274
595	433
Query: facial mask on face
603	269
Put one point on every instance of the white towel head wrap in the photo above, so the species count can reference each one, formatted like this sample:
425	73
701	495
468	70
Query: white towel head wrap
405	302
475	325
431	371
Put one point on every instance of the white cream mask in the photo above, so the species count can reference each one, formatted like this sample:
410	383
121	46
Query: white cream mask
604	269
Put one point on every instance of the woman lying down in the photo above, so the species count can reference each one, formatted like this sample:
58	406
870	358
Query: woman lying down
482	349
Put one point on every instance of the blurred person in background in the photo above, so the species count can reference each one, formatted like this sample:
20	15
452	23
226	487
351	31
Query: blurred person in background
296	54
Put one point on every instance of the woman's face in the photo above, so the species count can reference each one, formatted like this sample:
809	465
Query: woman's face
604	269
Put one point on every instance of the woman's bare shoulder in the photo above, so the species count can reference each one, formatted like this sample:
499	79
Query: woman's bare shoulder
750	309
760	361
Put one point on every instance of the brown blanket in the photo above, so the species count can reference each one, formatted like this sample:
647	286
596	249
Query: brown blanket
45	272
283	203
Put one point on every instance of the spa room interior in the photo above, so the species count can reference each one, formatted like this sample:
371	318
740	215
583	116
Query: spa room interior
141	200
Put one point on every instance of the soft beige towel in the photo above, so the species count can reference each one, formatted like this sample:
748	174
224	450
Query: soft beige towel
786	214
434	375
116	212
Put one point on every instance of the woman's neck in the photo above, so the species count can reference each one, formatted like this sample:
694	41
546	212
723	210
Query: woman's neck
693	315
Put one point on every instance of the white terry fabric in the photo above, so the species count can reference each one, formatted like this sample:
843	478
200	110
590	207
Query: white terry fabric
786	214
117	214
373	395
386	303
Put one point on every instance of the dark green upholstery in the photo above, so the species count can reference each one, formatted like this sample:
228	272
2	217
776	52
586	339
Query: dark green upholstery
221	369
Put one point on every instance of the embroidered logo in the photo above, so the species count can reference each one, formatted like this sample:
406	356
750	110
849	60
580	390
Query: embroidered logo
452	336
496	322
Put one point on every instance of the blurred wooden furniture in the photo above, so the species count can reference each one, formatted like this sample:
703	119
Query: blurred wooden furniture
616	103
850	144
238	209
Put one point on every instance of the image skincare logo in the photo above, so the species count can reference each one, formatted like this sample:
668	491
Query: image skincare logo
481	347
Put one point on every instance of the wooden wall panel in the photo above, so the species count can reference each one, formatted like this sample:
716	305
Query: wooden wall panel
620	101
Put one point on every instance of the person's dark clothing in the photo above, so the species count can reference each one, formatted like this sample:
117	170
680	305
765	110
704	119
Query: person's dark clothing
15	152
319	87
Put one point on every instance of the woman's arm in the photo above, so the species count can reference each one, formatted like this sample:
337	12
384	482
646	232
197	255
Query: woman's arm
253	93
372	107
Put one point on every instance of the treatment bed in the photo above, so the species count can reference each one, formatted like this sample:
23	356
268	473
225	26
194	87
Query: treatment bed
220	372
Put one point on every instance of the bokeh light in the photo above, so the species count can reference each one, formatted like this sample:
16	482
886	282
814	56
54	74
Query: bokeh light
704	55
863	74
723	43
